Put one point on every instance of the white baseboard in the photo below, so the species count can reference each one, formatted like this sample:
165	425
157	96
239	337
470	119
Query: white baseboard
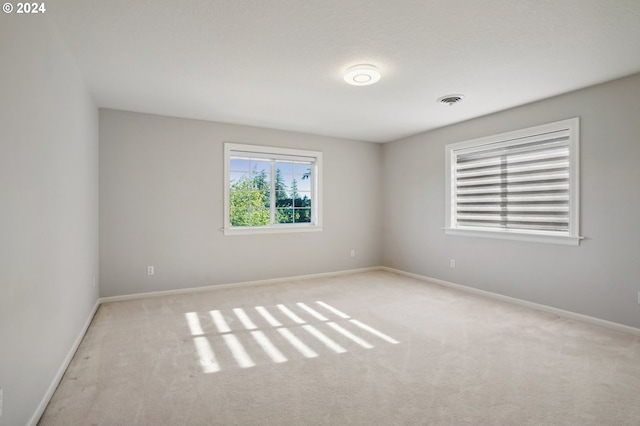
537	306
232	285
35	418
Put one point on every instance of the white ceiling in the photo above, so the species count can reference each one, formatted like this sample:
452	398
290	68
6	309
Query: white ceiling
279	63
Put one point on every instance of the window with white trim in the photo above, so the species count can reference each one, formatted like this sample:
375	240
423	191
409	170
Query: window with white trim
521	185
271	190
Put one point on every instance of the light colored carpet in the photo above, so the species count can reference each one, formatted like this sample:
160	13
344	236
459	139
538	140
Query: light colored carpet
437	356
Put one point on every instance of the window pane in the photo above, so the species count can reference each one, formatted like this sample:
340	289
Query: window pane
293	177
302	171
249	181
283	199
304	185
239	165
284	215
237	177
302	215
303	200
287	181
260	174
258	199
284	167
239	207
260	217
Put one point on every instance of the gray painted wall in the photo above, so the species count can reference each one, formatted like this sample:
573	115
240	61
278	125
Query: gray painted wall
161	204
600	278
49	210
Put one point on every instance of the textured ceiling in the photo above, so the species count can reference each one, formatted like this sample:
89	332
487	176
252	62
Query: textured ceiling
279	63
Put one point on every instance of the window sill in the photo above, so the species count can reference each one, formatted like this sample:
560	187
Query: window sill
516	236
256	230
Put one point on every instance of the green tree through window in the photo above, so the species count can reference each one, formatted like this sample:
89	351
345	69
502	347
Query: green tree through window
249	200
251	188
271	190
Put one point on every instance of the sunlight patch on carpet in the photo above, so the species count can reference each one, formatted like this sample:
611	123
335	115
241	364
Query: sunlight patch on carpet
249	335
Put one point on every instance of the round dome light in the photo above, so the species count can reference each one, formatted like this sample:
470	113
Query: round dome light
362	75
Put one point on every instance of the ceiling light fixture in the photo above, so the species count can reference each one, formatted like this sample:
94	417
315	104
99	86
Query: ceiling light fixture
361	75
451	99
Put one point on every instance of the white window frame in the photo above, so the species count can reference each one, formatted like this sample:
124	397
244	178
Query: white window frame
569	238
275	153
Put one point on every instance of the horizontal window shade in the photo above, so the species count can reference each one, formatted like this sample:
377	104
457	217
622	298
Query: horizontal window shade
513	147
517	184
520	226
514	169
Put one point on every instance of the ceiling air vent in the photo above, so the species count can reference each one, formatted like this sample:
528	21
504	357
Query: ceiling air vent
450	99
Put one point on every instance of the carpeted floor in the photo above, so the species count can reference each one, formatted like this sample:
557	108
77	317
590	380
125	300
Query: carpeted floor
362	349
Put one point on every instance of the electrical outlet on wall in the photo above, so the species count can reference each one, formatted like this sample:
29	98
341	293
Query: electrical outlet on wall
353	253
453	263
150	270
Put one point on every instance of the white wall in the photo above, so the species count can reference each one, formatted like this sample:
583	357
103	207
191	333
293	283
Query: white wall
161	204
600	278
48	213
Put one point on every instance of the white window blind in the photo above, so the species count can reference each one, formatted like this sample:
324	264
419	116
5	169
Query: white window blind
523	182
